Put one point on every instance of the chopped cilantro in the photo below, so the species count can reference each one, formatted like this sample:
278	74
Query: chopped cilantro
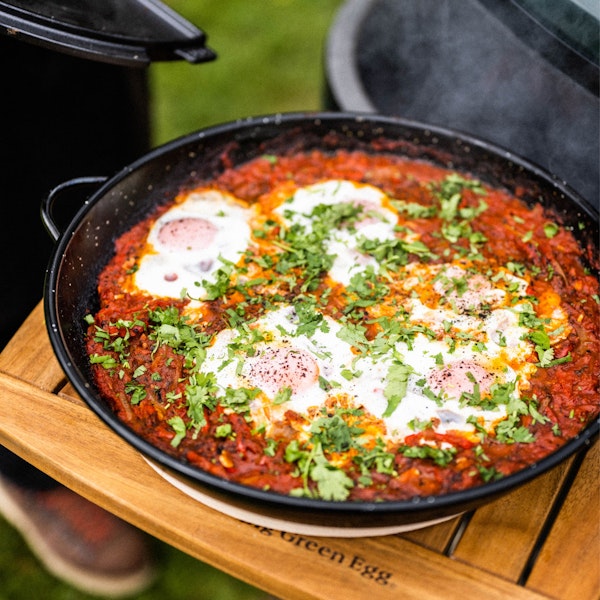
377	458
200	393
527	237
107	361
551	229
417	424
136	391
332	483
309	318
440	456
223	431
354	335
414	210
238	400
391	254
222	285
271	447
139	371
489	473
395	389
334	433
282	396
178	425
170	328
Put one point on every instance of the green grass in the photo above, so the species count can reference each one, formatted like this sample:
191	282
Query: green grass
270	59
180	577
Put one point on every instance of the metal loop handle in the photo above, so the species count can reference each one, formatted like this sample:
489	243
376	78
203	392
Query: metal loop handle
49	202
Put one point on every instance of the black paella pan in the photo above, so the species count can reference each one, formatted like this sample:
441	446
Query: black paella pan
84	247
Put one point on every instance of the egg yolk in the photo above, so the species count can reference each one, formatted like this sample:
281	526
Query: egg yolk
460	378
275	368
190	233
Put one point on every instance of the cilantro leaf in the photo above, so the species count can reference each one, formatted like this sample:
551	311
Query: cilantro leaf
354	335
200	393
309	318
238	399
282	396
397	383
332	483
179	428
136	391
334	433
440	456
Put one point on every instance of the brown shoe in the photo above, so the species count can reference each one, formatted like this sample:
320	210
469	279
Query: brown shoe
77	541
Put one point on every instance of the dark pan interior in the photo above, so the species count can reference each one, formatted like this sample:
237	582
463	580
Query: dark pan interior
87	244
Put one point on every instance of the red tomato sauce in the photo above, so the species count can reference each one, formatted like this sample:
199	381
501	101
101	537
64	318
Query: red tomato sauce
228	445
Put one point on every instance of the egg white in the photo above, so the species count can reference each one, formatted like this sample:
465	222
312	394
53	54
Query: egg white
360	380
174	270
379	222
277	329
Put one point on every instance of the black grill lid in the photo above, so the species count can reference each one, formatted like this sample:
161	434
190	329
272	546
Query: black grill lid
124	32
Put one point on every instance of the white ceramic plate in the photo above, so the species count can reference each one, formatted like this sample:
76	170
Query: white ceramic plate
247	515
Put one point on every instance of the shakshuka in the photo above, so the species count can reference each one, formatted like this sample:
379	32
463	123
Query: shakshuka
349	327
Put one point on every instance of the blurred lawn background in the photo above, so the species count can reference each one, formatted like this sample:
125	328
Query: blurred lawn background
270	59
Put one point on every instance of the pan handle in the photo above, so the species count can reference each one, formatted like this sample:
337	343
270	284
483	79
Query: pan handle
47	207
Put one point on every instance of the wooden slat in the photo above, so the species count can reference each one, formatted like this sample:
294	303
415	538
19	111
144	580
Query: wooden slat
436	538
501	536
29	354
568	566
67	441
